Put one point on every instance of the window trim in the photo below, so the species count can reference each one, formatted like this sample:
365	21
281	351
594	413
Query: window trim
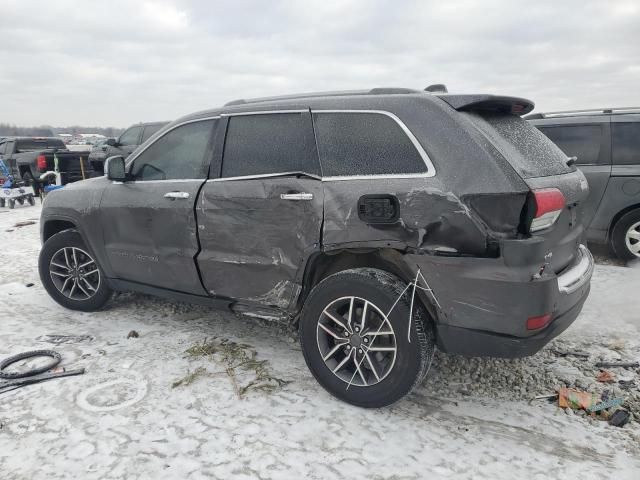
135	155
431	170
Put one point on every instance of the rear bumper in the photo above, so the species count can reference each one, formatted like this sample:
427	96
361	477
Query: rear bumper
485	304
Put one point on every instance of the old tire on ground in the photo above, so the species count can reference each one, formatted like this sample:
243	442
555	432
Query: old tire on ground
30	181
70	273
369	363
625	236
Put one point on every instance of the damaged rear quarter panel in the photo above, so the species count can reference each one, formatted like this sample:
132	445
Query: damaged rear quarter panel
429	218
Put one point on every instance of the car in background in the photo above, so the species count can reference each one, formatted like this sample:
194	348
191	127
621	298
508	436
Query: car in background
29	157
125	144
606	147
98	153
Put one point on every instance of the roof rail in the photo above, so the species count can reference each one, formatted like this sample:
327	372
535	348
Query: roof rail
583	112
342	93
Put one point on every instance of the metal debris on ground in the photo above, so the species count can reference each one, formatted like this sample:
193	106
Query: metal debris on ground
133	334
24	224
617	364
572	353
65	339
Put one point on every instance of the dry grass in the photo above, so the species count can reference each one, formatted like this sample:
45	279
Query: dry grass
239	361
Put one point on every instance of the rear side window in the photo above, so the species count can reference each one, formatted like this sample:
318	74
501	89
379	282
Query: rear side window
179	154
148	131
582	141
130	137
528	150
626	143
364	144
268	144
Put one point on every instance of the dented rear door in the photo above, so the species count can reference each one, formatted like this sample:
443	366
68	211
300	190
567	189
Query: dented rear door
261	218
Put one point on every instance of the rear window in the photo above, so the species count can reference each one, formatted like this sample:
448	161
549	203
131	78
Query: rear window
582	141
527	149
364	144
626	143
35	144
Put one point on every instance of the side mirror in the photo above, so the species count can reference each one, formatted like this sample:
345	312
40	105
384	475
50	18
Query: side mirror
112	142
114	166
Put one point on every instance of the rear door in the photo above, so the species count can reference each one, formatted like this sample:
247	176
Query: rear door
260	219
589	141
149	224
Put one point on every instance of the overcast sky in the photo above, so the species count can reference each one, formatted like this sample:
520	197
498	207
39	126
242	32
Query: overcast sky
114	63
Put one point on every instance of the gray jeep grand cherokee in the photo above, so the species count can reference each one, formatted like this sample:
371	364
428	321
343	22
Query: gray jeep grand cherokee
382	222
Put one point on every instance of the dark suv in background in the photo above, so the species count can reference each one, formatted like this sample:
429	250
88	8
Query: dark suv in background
382	222
126	143
606	144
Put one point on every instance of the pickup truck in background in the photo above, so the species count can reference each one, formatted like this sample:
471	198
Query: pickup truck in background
30	157
126	143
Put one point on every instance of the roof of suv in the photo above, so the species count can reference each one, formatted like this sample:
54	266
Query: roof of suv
375	99
583	113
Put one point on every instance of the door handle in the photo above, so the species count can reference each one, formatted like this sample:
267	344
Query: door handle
296	196
174	195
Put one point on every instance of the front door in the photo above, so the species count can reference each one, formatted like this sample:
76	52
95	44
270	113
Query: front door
261	218
149	224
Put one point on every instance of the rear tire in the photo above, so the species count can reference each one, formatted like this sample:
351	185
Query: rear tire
31	200
70	274
362	365
625	236
12	203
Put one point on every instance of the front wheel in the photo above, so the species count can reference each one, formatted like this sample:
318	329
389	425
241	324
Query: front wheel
361	340
70	273
625	236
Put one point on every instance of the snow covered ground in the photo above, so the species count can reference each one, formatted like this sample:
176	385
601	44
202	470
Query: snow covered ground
125	418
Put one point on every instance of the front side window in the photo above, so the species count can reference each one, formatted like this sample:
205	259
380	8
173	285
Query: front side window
364	144
269	144
148	131
626	143
582	141
179	154
130	137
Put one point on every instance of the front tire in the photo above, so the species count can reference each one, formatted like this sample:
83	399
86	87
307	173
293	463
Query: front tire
625	236
353	332
70	274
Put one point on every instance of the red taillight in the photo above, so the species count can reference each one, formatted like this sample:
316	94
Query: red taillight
535	323
42	162
549	203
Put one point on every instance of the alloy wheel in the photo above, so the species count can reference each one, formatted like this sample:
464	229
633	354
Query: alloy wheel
632	239
74	273
356	341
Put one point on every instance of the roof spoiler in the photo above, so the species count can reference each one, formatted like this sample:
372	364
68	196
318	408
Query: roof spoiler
489	103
